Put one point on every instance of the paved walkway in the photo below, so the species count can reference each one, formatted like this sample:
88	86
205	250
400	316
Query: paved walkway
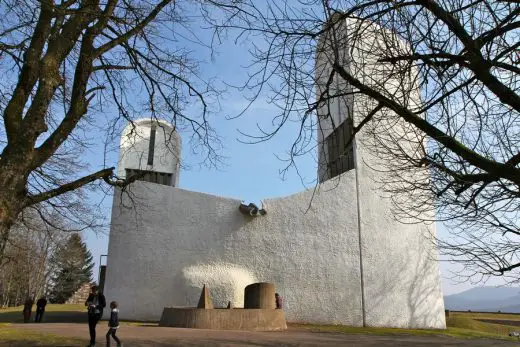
147	336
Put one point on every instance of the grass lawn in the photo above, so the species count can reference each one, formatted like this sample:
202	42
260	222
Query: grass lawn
471	321
53	313
460	325
11	337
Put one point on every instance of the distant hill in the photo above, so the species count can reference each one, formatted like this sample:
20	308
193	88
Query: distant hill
492	299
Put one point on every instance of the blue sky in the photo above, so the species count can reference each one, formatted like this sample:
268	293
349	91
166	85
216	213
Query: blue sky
250	172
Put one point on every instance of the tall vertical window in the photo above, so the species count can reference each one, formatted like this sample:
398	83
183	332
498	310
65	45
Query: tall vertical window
151	145
340	151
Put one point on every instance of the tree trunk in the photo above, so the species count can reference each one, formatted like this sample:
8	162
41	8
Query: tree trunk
7	291
5	226
10	208
13	183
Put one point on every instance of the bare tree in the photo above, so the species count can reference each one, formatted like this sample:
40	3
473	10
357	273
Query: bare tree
70	63
27	266
68	66
462	56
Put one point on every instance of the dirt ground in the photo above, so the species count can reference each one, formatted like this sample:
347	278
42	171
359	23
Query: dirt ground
147	336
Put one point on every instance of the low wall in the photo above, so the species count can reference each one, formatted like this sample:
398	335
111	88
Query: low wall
224	319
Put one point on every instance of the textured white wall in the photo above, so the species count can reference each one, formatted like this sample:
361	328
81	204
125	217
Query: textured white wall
391	249
383	235
179	240
226	280
134	148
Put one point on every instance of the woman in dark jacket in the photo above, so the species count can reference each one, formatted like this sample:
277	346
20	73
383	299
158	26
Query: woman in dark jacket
95	303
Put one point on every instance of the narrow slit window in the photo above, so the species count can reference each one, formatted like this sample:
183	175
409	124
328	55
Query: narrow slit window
151	146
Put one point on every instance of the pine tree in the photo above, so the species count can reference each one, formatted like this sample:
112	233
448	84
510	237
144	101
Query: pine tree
74	264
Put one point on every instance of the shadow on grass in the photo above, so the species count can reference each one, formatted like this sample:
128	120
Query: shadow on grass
49	317
59	313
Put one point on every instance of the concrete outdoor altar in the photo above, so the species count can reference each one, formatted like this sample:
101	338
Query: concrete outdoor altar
259	312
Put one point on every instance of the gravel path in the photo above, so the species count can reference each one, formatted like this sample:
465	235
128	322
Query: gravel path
147	336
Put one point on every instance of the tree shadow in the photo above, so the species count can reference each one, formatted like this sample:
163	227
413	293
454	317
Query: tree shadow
48	317
408	293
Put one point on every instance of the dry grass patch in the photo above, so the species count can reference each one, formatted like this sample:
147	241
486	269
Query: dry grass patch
459	325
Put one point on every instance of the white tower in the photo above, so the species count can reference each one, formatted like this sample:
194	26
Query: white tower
365	161
152	148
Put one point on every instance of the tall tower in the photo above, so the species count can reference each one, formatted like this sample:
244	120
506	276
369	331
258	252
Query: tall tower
357	47
335	116
151	148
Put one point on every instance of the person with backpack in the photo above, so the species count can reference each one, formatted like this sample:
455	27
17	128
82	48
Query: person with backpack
95	304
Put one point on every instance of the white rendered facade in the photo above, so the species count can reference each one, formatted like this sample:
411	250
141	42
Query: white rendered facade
345	261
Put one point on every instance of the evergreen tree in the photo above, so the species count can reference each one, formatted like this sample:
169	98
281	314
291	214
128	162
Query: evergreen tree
74	264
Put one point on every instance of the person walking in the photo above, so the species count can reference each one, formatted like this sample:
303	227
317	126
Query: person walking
95	304
40	309
27	309
113	324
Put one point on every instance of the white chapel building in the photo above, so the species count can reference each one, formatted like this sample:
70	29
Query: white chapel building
347	260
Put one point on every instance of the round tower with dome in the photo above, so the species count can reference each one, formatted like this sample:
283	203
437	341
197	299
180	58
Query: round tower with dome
151	148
